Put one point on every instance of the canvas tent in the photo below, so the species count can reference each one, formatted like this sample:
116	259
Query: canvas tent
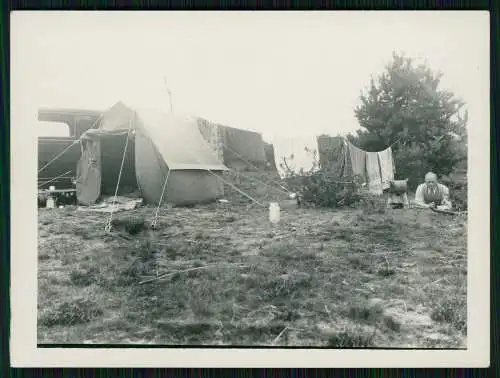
166	160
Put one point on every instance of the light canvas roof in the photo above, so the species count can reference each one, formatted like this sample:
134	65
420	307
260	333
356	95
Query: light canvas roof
176	138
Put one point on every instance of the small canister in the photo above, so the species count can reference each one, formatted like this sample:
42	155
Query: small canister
51	203
274	212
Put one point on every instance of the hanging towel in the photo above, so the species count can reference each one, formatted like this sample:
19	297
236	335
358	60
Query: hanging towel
373	173
386	167
358	160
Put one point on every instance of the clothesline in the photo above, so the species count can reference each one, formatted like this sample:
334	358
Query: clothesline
393	143
390	146
377	174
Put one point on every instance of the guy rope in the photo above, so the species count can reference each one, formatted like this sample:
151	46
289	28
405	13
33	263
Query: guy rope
230	184
59	155
55	178
77	141
155	219
108	224
282	190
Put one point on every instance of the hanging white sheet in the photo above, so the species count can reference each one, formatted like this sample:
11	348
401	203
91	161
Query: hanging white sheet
293	150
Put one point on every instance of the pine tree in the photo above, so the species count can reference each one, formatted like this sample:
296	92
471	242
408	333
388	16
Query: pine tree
405	104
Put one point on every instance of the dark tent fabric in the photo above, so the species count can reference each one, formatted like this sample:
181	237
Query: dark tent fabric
243	144
330	152
270	158
111	156
236	147
159	145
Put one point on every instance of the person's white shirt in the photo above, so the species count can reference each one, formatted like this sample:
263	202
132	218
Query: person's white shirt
446	203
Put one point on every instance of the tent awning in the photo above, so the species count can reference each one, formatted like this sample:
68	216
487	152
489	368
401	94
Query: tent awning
96	134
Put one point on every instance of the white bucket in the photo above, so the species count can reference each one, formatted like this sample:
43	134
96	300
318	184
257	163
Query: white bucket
274	212
50	203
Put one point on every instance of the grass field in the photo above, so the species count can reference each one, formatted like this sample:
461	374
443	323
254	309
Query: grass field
352	278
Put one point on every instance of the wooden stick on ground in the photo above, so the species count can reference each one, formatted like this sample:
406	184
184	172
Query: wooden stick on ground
281	334
387	262
163	276
174	273
447	211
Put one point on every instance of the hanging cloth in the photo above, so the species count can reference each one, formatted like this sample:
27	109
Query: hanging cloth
358	160
373	173
293	149
386	167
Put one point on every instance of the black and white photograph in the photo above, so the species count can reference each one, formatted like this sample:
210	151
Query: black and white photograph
274	180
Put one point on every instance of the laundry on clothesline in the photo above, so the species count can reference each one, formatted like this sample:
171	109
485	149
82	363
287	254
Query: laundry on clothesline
377	169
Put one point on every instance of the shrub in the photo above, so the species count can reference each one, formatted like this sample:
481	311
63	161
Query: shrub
78	311
324	187
352	337
83	277
457	183
452	311
131	224
325	190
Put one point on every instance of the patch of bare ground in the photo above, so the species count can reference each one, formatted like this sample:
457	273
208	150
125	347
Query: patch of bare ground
221	274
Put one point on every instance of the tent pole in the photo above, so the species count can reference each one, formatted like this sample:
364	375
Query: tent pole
169	95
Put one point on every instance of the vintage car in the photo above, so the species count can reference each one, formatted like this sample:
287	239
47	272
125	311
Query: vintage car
58	154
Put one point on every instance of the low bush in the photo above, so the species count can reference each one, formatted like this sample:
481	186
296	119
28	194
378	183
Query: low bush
325	190
457	184
73	312
352	337
451	310
83	277
132	225
324	187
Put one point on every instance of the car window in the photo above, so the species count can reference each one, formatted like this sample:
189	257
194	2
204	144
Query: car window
53	129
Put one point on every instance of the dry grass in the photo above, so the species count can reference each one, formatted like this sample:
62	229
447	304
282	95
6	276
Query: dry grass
354	278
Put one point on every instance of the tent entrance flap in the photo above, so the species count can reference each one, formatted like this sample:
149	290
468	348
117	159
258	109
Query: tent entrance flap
112	148
88	173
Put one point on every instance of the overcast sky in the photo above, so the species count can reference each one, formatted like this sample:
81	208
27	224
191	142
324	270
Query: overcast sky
272	72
